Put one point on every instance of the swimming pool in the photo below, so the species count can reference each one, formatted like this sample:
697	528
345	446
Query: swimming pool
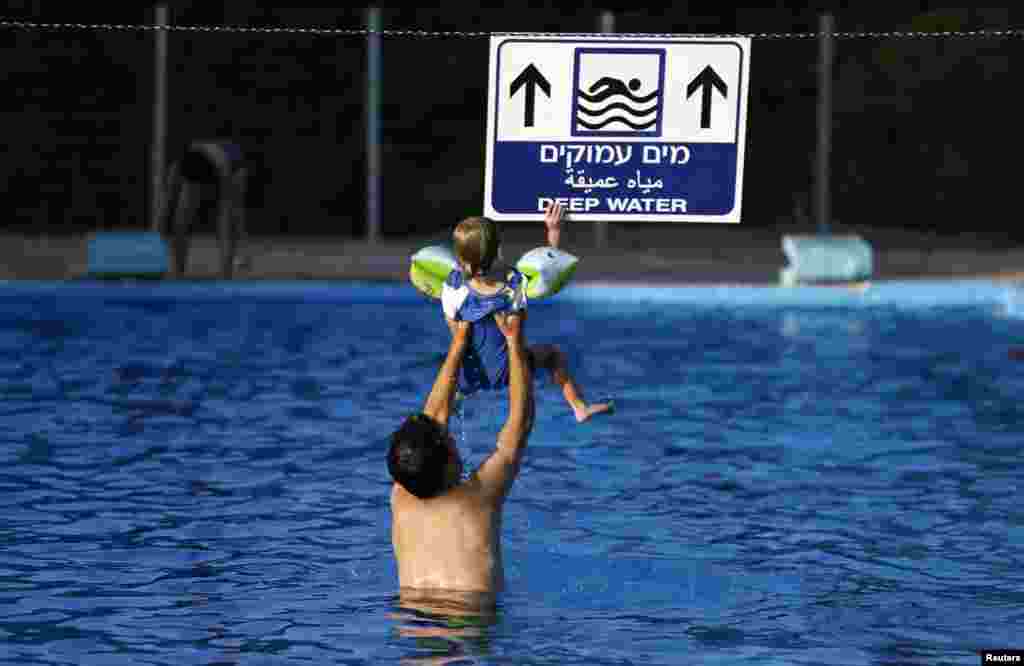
194	474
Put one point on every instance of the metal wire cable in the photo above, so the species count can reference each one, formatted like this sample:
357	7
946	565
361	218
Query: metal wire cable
430	34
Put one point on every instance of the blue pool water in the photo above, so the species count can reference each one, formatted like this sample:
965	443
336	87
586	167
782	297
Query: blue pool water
193	474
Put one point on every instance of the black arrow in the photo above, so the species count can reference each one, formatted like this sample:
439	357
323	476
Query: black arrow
706	80
531	78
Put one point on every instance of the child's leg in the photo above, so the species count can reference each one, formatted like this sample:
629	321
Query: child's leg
552	359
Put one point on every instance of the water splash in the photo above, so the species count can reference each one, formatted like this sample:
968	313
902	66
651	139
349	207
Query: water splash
459	412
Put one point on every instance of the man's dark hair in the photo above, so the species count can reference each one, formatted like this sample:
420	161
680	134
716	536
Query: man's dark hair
418	456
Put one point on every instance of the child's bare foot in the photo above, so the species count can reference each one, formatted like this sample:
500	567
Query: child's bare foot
586	411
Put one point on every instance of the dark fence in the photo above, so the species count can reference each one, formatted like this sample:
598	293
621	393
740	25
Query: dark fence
924	135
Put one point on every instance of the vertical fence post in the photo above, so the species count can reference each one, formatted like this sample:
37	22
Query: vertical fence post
157	158
823	195
373	125
606	24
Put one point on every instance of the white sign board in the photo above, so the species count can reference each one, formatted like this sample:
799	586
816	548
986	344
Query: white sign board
618	128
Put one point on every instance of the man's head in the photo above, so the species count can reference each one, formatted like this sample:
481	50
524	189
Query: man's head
477	243
423	457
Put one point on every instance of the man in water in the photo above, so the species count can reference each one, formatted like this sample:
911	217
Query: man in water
446	531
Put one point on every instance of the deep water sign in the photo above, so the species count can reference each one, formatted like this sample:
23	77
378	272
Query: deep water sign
618	129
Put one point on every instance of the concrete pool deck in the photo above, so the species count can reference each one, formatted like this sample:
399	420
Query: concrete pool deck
683	254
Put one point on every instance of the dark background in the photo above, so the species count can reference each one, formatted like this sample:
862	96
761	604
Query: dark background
924	133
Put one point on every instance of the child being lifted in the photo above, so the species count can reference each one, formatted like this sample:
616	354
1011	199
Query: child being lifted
481	289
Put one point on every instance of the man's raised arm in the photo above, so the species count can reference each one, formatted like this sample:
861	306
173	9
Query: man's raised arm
500	470
439	402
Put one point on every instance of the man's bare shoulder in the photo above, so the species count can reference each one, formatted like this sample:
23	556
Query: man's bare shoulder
469	491
493	478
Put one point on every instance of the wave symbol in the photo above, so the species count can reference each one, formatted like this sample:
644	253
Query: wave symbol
633	112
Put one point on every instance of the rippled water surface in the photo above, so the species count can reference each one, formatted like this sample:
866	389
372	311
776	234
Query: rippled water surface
201	481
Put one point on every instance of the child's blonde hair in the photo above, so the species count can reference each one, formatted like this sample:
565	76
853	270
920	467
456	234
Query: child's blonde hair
476	242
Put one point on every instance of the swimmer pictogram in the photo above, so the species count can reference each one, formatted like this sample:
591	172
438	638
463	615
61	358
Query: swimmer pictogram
618	92
631	116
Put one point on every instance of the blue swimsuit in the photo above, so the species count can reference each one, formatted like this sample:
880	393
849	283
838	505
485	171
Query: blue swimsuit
485	365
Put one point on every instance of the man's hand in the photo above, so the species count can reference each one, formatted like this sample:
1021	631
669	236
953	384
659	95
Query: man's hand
459	329
439	402
553	221
511	324
498	472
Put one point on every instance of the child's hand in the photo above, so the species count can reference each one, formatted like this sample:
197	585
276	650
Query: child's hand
553	215
553	221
